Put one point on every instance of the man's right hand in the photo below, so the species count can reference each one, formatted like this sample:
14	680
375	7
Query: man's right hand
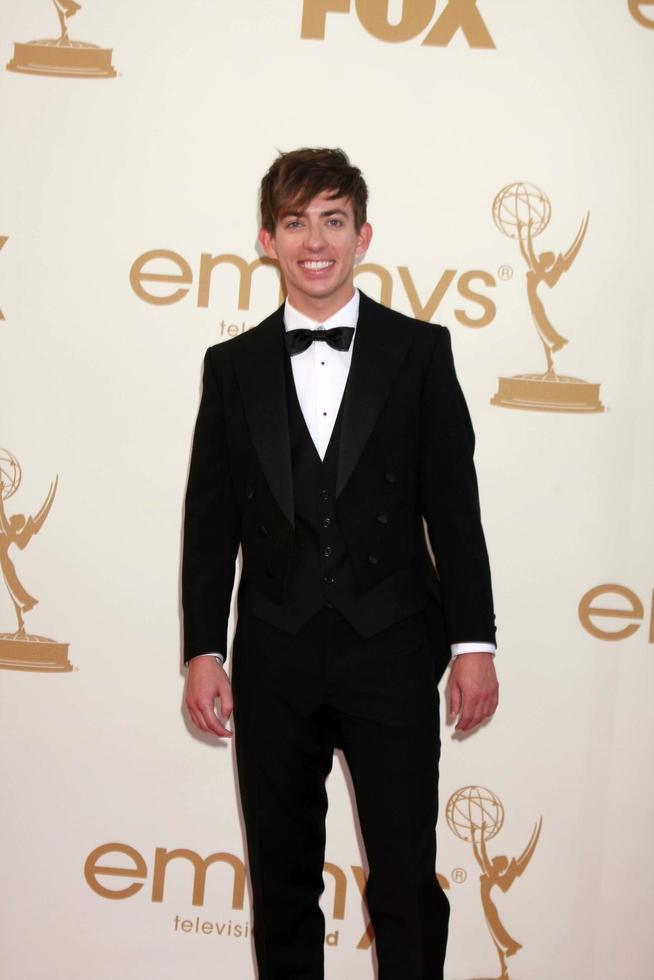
206	681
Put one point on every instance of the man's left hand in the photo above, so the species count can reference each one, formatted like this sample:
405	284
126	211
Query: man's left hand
472	690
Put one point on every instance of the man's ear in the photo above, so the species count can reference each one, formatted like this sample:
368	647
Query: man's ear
364	238
267	242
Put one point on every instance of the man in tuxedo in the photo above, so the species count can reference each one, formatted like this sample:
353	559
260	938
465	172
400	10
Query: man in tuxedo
328	438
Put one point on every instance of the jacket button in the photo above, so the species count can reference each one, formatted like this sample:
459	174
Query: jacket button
327	551
372	559
249	492
329	579
382	518
389	476
270	573
263	531
324	494
327	522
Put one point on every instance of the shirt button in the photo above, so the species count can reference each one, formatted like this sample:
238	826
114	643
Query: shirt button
327	551
327	521
324	494
372	559
324	413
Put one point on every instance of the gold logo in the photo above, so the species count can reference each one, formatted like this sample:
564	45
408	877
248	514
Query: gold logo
631	608
21	650
416	15
3	240
638	14
61	56
172	279
476	815
523	211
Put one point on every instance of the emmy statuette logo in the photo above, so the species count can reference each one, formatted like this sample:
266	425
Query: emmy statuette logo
476	815
523	211
22	650
61	55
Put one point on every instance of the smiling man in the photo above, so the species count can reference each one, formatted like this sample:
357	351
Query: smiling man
327	439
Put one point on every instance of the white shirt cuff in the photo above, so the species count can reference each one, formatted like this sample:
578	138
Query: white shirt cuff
219	657
458	648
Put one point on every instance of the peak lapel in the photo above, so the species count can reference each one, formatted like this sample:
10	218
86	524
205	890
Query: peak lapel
380	346
259	366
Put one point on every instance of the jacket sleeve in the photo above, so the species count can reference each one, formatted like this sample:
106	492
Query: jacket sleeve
211	526
450	502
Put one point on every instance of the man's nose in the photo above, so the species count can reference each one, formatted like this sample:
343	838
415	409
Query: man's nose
314	237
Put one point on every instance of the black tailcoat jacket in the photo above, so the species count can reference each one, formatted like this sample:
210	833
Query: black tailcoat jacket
405	450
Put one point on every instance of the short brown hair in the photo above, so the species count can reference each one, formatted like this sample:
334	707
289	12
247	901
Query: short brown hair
298	176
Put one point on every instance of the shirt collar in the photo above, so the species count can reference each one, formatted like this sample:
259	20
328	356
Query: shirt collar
347	316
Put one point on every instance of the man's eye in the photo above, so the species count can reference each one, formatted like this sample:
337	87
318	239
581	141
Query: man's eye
335	222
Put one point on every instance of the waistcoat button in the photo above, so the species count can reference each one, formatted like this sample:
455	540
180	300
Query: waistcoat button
389	476
372	559
324	494
263	531
327	551
327	521
382	518
249	492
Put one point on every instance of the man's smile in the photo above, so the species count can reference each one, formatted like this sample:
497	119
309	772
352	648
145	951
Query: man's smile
316	265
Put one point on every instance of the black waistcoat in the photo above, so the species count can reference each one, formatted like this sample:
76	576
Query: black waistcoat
321	573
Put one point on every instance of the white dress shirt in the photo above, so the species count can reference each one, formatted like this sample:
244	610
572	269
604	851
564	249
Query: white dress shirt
320	374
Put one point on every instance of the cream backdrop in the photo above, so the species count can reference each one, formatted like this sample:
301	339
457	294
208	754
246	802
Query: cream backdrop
100	387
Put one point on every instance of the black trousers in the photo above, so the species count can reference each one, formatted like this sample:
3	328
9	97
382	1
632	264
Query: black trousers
295	697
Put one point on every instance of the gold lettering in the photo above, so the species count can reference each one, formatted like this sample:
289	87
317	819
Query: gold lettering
587	610
385	278
427	311
416	14
485	302
340	888
162	857
137	276
639	15
314	14
209	262
92	869
369	933
460	15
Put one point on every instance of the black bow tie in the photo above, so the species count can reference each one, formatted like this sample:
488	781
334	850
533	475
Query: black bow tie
339	338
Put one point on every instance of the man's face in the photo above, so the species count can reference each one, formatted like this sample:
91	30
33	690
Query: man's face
316	249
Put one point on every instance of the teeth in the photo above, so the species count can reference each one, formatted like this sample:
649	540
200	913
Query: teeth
316	265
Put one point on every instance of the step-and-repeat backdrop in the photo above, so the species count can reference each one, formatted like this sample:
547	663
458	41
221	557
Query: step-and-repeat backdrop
509	150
